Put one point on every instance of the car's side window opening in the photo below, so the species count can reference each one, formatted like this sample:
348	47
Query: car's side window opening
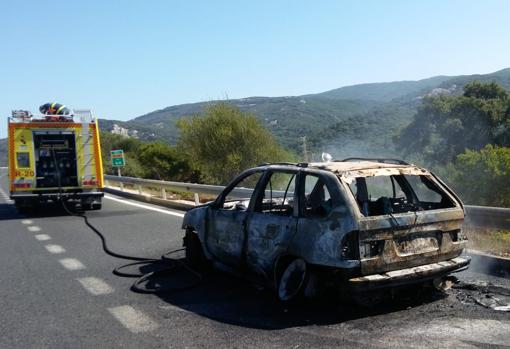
315	197
240	195
380	195
278	195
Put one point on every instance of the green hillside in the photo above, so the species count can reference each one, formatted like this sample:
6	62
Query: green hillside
352	120
385	91
377	111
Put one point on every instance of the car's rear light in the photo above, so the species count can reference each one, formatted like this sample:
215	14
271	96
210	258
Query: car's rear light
370	249
89	182
22	185
349	247
456	235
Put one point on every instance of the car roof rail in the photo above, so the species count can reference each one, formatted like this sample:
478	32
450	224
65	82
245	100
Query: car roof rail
383	160
299	164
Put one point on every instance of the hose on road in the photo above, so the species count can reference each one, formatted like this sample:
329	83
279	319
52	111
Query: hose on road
163	266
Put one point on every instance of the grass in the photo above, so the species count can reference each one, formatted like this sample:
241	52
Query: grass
491	241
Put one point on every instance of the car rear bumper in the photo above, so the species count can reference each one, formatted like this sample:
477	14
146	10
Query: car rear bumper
409	275
54	196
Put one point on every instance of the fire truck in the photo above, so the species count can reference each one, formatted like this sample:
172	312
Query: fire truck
54	158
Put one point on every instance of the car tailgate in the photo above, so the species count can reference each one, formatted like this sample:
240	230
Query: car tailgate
399	241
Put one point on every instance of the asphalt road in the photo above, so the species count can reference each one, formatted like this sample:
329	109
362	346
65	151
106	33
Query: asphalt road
57	291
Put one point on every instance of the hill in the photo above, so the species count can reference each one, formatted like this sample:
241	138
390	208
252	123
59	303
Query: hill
351	120
385	91
377	111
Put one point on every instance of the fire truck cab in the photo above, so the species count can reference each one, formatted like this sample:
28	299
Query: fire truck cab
54	157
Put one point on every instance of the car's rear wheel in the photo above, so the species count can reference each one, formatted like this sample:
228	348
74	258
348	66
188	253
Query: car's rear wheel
292	281
195	257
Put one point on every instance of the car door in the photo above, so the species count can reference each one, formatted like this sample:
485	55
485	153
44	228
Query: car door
226	221
273	221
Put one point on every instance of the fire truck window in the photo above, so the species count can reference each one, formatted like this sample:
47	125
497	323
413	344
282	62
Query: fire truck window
23	160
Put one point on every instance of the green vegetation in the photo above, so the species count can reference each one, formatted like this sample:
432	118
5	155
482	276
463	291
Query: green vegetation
483	177
152	160
224	141
467	139
446	126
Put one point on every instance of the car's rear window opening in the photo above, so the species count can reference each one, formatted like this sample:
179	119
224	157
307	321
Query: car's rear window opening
381	195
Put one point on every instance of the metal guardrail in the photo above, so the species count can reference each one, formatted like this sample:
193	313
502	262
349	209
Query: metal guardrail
165	186
495	217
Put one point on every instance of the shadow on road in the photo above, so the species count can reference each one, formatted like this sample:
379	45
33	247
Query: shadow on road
235	301
8	211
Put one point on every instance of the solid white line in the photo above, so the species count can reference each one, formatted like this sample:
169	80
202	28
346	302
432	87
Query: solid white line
4	194
132	319
55	249
95	286
42	237
27	221
144	206
72	264
33	228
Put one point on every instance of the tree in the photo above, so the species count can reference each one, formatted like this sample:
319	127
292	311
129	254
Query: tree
483	177
162	161
446	126
223	141
111	142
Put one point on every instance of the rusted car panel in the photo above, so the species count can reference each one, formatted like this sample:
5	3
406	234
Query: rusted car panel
332	217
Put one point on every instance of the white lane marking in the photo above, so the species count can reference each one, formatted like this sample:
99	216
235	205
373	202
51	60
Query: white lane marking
42	237
145	206
33	228
134	320
72	264
4	194
56	249
27	221
95	286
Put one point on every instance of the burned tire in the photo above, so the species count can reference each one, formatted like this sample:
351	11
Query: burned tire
195	257
292	281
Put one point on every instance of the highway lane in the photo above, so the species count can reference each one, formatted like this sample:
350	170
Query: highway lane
58	290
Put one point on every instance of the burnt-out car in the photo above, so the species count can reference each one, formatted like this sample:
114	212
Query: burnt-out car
357	224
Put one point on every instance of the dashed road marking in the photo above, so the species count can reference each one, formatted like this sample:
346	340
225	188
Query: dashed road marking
56	249
33	228
160	210
95	286
72	264
27	221
134	320
42	237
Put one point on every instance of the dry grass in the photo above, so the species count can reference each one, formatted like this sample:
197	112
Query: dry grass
492	241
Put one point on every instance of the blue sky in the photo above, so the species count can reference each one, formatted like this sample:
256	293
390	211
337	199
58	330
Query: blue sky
123	59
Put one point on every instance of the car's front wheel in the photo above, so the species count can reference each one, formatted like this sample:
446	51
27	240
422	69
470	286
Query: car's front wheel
292	281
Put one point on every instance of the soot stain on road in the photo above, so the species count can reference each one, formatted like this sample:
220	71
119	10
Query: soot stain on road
230	300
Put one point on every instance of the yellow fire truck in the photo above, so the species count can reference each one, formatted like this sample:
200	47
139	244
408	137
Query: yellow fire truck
54	157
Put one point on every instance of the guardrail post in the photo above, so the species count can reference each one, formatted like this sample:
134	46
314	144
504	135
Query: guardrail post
197	199
163	193
139	189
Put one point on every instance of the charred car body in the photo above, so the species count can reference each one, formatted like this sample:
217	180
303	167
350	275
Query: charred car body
357	224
